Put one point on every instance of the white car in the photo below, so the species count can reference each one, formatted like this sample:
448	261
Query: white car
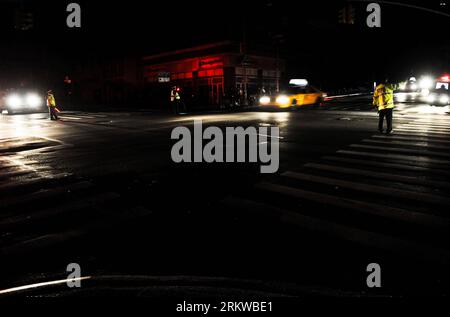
439	97
22	100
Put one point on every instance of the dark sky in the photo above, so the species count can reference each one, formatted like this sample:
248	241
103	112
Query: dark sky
314	44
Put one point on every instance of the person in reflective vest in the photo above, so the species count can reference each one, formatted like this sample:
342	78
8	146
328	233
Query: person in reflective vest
175	99
383	99
51	104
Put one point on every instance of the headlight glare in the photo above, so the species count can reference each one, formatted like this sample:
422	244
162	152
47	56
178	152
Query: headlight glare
283	100
264	100
443	99
426	82
13	101
33	100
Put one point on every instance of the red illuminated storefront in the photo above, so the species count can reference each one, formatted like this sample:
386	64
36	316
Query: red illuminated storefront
213	75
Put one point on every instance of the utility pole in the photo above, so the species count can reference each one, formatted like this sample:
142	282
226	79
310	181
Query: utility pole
278	69
347	14
243	51
277	40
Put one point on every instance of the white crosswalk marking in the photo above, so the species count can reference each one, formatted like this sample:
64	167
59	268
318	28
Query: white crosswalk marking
402	178
379	175
428	125
400	150
386	165
422	130
372	189
416	159
83	116
425	144
70	118
360	206
411	138
420	134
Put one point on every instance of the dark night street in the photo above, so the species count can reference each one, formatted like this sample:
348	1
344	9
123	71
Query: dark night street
100	189
229	156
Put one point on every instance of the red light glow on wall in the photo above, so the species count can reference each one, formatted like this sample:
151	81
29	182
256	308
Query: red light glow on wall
210	72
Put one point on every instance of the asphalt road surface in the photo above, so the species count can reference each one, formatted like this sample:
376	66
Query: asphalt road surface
101	190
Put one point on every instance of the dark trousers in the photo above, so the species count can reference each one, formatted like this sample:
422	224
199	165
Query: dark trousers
388	114
176	106
52	113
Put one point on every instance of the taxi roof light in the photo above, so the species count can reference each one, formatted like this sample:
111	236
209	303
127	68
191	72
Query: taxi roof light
298	82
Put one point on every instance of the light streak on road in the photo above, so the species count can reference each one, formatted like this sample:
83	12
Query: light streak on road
43	284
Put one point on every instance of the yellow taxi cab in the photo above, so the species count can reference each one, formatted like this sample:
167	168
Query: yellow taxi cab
297	93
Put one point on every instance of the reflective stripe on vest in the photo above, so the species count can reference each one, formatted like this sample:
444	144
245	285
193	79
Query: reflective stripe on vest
51	101
383	97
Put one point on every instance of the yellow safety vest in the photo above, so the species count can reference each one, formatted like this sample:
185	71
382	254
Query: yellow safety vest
51	102
383	96
174	95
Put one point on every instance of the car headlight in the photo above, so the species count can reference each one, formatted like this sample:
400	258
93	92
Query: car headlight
443	99
13	101
431	98
33	100
426	83
283	100
425	92
264	100
401	97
